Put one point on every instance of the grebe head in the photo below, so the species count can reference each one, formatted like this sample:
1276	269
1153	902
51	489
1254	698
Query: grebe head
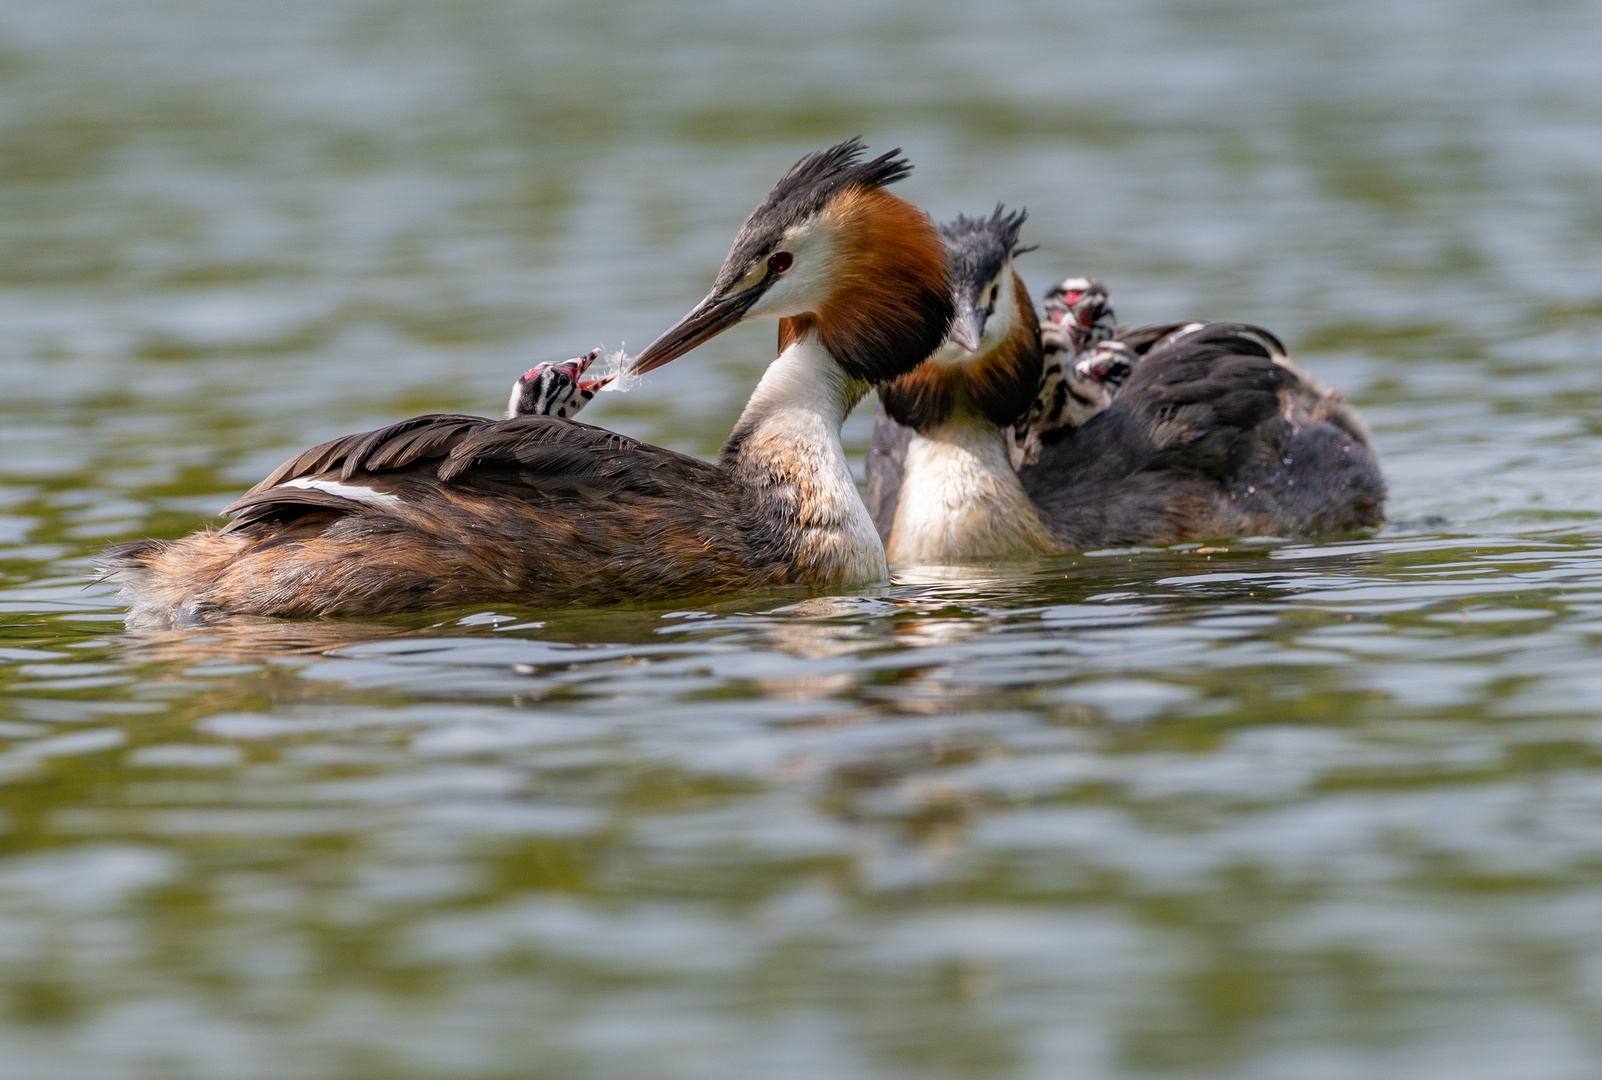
1080	306
990	360
1084	364
1109	363
832	250
980	252
555	388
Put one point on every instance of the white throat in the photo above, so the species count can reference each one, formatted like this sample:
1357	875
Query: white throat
805	379
791	434
960	499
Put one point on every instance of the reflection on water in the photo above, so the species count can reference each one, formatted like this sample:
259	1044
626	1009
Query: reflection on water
1256	809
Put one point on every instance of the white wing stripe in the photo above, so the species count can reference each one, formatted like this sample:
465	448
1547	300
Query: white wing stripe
347	491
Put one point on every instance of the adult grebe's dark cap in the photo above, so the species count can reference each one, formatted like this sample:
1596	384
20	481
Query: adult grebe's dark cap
977	248
801	194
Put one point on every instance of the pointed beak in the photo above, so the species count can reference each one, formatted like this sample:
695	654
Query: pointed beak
591	385
968	326
710	318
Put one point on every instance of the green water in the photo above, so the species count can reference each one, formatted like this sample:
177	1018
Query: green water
1291	811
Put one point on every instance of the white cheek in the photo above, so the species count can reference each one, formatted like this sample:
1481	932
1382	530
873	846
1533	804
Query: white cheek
999	325
806	285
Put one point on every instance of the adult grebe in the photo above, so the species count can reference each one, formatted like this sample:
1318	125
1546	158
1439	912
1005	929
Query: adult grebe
1213	434
442	510
956	495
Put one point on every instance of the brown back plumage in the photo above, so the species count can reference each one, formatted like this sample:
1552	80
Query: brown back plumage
534	508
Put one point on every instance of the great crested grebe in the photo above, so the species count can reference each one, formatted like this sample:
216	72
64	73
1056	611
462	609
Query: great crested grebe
1214	433
555	388
1078	319
443	510
1086	358
955	494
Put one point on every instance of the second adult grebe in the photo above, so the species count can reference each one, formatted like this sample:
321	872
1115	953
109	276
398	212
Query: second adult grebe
1215	433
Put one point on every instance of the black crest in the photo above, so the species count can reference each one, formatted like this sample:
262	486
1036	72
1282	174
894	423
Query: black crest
803	192
977	248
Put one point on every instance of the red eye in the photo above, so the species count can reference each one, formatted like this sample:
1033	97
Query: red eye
780	261
995	291
1071	298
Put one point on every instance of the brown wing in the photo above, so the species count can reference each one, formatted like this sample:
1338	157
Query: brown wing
527	457
563	456
443	510
402	443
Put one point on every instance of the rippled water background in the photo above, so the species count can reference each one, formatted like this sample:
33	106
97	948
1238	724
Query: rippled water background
1294	810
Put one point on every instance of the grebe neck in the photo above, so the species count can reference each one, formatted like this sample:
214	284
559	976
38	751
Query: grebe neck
960	498
786	449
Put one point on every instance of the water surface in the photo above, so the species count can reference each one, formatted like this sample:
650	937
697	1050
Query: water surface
1278	809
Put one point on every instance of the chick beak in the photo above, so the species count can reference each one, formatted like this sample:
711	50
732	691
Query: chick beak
591	385
710	318
968	325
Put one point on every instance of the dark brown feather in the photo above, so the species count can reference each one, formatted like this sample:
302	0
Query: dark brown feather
280	504
351	451
794	328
